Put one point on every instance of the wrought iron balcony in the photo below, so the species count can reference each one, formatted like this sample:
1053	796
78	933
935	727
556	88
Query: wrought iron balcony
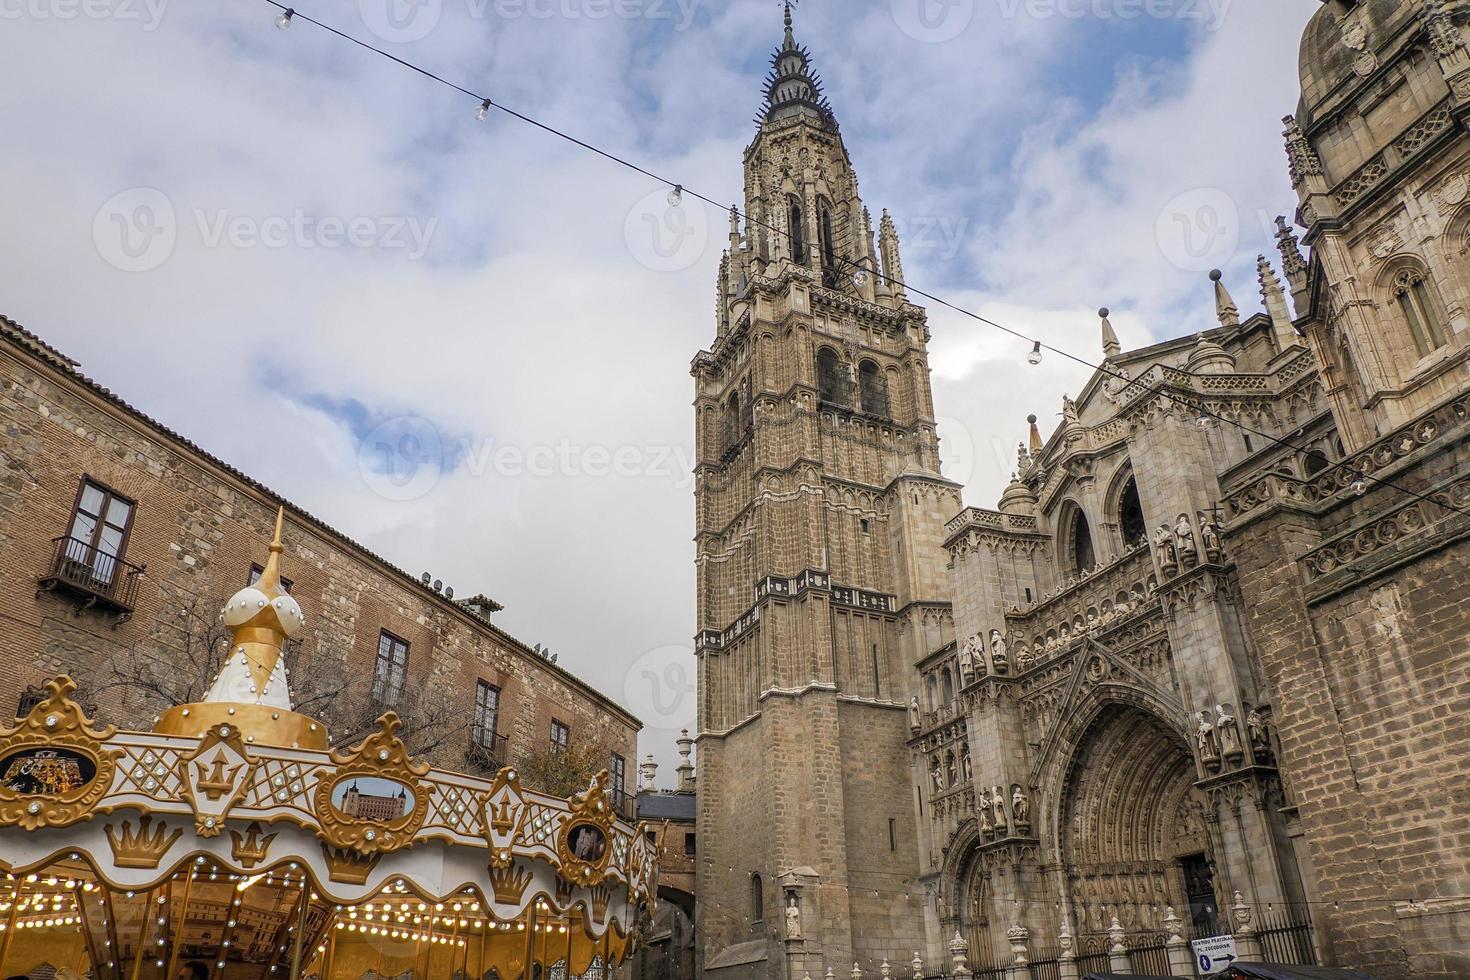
488	752
92	575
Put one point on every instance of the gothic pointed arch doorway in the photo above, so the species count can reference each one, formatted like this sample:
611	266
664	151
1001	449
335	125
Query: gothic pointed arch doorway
1132	837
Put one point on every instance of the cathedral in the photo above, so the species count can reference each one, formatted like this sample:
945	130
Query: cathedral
1202	671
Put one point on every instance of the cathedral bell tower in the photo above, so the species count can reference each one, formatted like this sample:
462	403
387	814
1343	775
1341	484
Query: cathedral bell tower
820	515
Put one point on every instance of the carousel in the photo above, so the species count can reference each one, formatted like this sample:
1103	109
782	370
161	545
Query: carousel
233	841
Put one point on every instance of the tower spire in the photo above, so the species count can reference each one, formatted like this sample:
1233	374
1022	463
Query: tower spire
792	90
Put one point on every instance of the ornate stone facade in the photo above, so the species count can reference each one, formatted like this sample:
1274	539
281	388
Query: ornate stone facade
1218	667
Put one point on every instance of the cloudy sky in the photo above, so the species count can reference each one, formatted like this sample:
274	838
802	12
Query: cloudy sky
471	351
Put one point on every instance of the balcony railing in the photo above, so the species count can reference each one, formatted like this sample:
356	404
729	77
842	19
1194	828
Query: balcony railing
625	804
487	752
93	575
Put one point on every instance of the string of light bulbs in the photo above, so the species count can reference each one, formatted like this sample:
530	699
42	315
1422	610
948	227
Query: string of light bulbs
1361	479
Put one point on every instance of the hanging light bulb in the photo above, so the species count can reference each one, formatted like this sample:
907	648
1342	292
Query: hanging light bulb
676	196
1034	358
483	111
1360	483
1204	421
284	21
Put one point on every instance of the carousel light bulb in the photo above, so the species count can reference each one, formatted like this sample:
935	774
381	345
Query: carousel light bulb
284	20
483	111
1034	358
1360	484
676	196
158	963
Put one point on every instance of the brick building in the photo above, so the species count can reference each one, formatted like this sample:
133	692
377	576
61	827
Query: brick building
120	541
1209	653
667	952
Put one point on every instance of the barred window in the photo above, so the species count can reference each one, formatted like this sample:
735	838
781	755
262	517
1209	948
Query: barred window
487	713
561	736
390	668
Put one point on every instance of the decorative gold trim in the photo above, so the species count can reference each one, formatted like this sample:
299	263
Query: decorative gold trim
504	812
509	883
220	769
349	867
275	727
250	849
143	849
57	722
591	808
382	755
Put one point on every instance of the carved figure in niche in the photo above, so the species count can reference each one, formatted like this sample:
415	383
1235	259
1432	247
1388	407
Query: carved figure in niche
1204	740
936	773
967	662
1092	621
1023	657
1184	532
1138	599
998	653
1051	644
914	714
987	819
1228	730
1065	639
1164	542
793	917
1069	411
1209	536
998	802
1260	734
950	772
1020	809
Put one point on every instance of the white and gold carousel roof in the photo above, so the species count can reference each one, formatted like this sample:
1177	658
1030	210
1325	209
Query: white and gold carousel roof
243	788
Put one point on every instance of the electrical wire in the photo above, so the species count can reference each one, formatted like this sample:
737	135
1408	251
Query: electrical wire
291	13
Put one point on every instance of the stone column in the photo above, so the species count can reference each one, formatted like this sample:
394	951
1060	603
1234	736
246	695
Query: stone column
918	964
1066	954
1181	960
1247	943
1117	952
1019	936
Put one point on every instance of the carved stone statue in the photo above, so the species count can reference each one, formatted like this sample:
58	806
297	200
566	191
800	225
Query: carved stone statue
1209	536
1184	533
987	818
998	653
1023	657
914	715
936	774
966	771
998	803
1260	734
1069	410
1228	730
793	917
967	662
1020	808
1204	740
1164	542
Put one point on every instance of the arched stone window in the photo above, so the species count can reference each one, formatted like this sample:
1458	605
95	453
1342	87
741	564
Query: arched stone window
831	378
732	420
946	680
933	689
1079	542
757	897
828	243
1130	515
1316	462
873	389
797	230
1419	309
